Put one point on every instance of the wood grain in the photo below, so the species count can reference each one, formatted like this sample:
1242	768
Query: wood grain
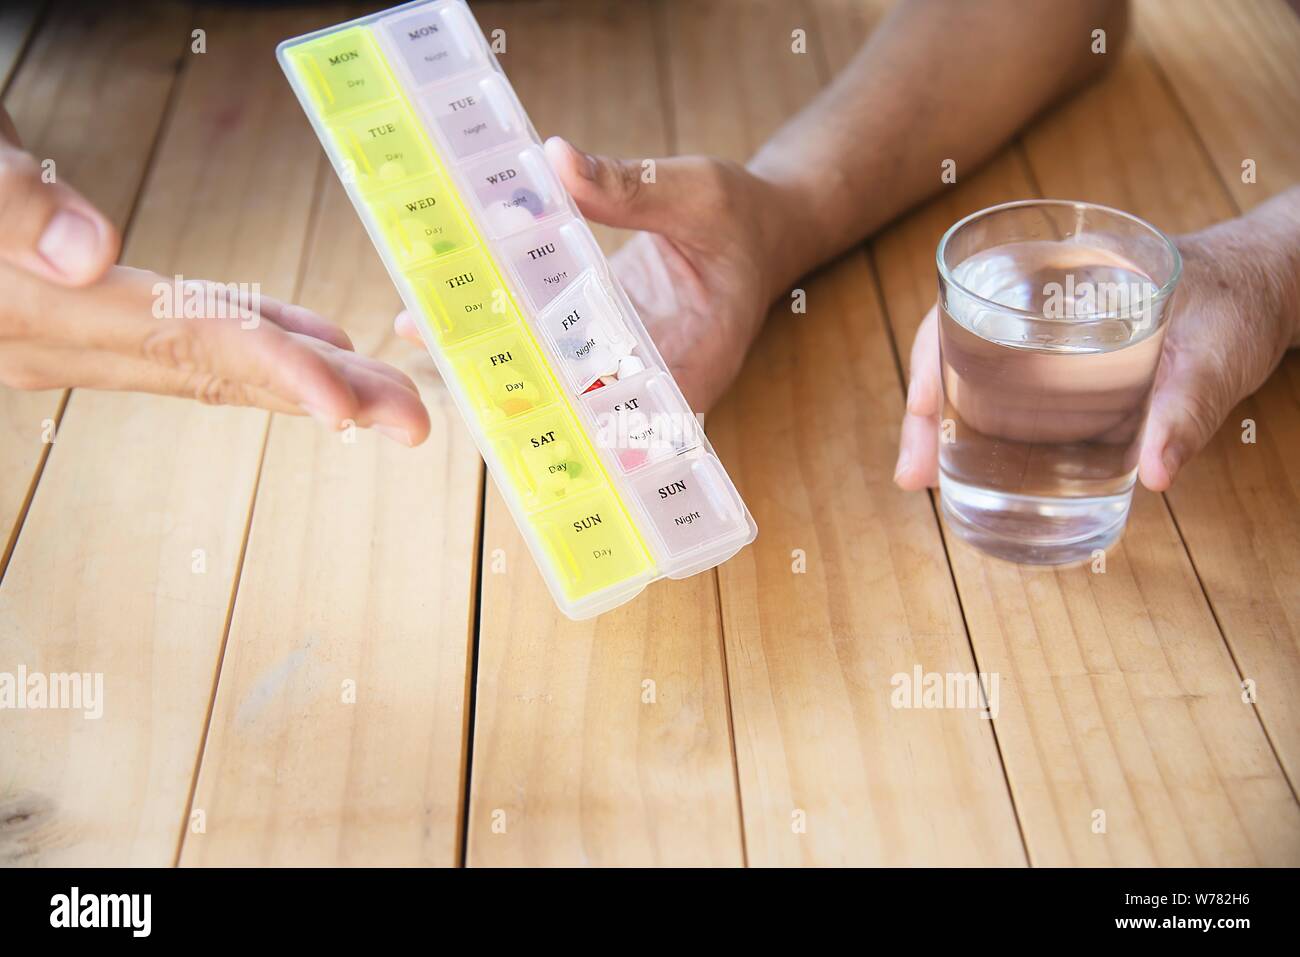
90	97
1065	160
1119	695
17	20
137	488
573	763
1234	68
329	562
846	585
339	730
1238	505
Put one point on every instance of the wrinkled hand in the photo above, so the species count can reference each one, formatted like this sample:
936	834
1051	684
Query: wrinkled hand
69	318
703	267
1234	316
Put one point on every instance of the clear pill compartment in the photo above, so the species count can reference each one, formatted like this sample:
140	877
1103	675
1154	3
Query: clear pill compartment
691	506
642	420
587	333
514	189
475	113
435	41
548	259
604	467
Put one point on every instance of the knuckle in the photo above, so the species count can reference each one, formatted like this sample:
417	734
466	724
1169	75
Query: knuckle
211	389
24	378
177	345
16	325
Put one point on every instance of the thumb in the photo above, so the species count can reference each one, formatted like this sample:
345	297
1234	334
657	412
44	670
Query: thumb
49	229
626	194
1186	411
918	447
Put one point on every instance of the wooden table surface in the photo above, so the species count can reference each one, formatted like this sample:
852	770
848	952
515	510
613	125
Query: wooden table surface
326	652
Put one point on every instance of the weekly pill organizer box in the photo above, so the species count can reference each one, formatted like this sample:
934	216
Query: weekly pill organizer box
604	467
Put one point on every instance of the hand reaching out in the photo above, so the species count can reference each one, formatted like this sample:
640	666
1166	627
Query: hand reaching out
69	318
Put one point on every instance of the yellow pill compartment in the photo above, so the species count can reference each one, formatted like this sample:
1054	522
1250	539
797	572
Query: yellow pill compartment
462	296
547	458
422	220
592	544
343	71
382	147
503	376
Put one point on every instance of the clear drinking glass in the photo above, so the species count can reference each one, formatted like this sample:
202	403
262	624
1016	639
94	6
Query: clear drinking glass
1051	319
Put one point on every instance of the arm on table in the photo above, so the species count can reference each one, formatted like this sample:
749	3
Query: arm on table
718	242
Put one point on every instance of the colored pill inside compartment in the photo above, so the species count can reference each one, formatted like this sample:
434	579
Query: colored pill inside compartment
642	420
422	220
588	333
382	147
462	296
548	458
592	544
690	504
504	375
342	71
514	188
435	42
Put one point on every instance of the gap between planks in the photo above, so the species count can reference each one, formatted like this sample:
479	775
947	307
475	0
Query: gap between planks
225	640
1171	92
471	680
869	247
10	69
164	123
308	248
663	74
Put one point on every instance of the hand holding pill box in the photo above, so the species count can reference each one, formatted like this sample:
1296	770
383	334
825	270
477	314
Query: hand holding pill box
601	462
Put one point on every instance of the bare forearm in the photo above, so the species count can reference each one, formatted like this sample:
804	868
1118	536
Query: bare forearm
938	80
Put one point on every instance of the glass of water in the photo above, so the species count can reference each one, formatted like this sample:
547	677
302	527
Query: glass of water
1051	319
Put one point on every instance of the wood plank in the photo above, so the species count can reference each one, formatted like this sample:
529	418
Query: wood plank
1118	693
811	653
1171	185
1238	506
343	701
103	579
17	20
90	95
839	28
1235	69
567	755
